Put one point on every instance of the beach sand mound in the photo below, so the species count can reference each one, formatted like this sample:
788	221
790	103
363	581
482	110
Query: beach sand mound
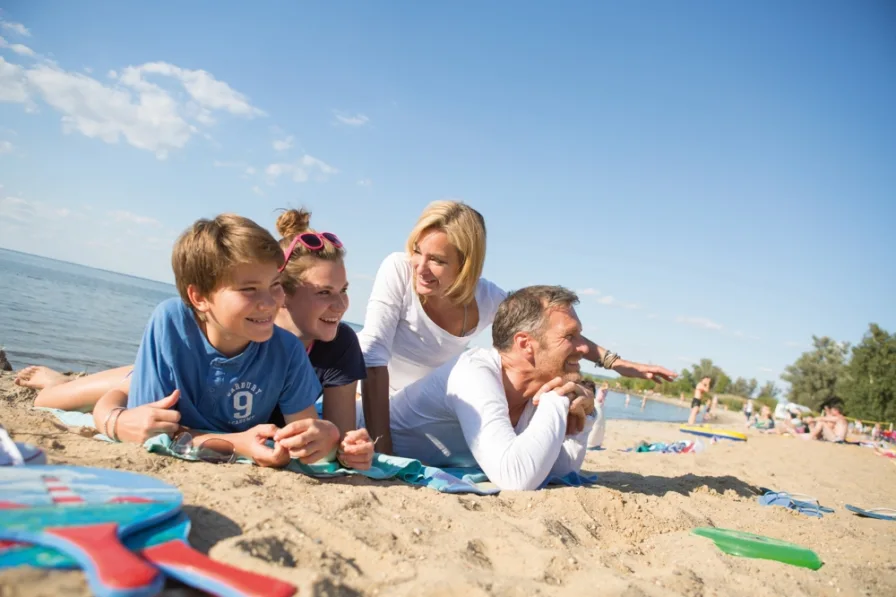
629	536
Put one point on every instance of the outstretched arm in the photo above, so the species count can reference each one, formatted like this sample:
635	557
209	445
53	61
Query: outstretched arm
610	360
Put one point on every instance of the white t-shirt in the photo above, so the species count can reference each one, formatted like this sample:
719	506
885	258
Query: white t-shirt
458	416
399	334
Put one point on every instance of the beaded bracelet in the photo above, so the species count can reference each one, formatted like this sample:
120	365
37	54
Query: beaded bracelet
608	360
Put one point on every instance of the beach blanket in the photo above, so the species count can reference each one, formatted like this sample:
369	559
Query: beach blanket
681	447
384	466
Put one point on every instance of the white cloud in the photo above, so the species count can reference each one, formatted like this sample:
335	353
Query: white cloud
144	114
250	170
132	218
766	370
301	170
15	28
13	85
5	147
351	119
365	182
588	292
257	190
152	122
284	144
19	49
201	85
689	360
653	316
794	344
611	301
700	322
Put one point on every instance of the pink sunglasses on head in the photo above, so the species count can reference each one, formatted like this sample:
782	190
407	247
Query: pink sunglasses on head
313	241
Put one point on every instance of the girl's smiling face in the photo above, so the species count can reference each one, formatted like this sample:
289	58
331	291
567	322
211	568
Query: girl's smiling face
320	300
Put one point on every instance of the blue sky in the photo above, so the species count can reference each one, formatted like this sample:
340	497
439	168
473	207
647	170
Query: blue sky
715	179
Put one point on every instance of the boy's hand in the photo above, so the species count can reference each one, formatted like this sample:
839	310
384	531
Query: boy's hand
255	447
356	450
143	422
309	440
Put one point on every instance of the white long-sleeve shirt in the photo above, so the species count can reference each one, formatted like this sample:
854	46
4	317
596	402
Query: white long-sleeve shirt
458	416
400	335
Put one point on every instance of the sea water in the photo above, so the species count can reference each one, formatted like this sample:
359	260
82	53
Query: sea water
76	318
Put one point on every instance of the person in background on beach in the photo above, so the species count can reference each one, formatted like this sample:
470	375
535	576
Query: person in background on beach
428	302
315	285
697	402
764	422
628	399
831	426
598	429
516	409
748	410
643	400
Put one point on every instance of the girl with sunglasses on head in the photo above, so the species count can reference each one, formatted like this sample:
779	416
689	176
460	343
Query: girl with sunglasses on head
315	283
428	302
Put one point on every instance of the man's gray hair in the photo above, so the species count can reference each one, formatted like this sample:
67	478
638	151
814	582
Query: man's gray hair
526	310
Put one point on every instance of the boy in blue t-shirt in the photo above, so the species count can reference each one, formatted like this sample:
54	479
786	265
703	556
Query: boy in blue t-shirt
213	361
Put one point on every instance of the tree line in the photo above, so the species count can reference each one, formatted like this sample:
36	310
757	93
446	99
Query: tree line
863	376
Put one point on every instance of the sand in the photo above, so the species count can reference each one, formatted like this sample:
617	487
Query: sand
629	536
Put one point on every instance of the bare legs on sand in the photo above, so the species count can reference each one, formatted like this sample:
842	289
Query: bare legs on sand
82	393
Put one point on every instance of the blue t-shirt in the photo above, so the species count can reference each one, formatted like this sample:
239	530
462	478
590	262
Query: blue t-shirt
218	393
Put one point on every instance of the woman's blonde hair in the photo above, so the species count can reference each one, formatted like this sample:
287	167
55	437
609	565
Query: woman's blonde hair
290	224
465	228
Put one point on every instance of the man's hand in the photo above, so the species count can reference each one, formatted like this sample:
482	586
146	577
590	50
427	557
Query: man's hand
356	450
254	445
581	402
143	422
580	406
309	440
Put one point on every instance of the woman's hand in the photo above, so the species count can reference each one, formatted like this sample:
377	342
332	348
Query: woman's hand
356	450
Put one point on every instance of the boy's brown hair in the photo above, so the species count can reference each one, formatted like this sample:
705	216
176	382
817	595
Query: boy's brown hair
206	252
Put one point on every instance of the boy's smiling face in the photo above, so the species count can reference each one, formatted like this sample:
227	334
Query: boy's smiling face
242	309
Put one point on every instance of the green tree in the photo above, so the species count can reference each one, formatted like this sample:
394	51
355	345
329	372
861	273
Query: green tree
740	387
868	383
706	368
769	389
751	387
813	377
722	383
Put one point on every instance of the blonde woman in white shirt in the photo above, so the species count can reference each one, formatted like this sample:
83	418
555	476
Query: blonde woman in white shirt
429	302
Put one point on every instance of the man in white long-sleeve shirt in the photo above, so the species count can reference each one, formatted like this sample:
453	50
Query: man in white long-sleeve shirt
515	410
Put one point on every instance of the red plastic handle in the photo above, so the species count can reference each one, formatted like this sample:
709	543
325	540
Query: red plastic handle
116	566
177	555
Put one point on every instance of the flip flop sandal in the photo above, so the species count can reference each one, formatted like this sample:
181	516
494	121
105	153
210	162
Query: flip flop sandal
878	513
803	504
